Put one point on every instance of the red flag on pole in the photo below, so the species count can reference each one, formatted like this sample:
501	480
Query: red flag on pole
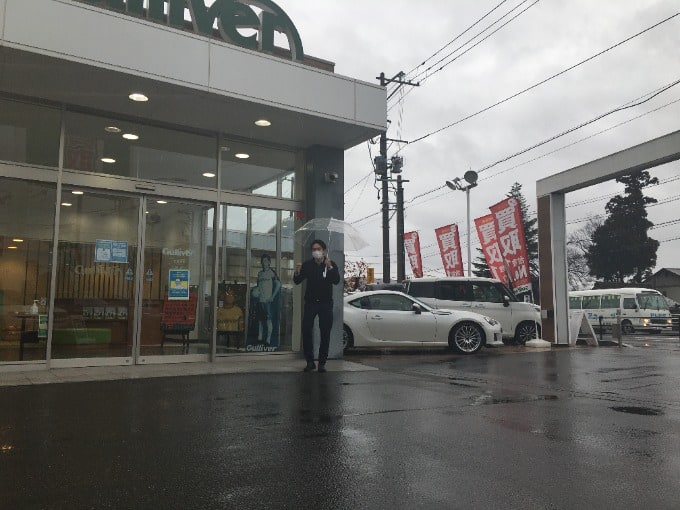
492	252
412	247
449	248
507	216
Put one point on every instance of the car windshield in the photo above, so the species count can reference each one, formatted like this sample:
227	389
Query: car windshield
649	301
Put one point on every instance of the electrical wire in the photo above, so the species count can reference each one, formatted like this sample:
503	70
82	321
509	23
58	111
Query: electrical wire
545	80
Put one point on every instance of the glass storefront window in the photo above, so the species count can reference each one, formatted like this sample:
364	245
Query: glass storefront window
249	168
29	133
96	267
289	254
26	236
232	301
265	283
109	146
178	276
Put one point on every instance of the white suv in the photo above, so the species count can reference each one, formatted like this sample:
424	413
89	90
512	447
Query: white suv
489	297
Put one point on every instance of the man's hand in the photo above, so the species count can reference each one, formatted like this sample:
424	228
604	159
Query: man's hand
298	267
329	264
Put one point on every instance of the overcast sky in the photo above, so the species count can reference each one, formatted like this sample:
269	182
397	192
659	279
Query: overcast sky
365	37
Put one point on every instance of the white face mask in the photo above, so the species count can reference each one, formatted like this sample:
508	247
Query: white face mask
317	254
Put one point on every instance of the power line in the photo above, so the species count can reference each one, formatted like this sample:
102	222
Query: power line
636	102
630	104
478	42
535	85
457	37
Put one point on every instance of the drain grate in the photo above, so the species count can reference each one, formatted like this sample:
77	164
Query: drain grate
643	411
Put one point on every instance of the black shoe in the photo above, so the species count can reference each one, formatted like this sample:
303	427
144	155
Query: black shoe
310	366
322	368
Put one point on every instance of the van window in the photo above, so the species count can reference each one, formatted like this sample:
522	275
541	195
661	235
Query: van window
649	301
575	303
591	302
629	303
452	291
421	289
611	301
486	292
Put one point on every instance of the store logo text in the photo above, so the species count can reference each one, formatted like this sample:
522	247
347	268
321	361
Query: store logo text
231	16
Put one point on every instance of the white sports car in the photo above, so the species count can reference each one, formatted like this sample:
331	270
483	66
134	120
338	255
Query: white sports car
393	319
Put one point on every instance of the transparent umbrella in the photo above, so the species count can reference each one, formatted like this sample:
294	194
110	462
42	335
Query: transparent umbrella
331	231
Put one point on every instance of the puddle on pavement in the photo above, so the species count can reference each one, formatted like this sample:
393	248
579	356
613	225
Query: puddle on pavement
642	411
485	400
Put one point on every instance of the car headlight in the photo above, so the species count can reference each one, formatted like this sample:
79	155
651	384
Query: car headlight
491	321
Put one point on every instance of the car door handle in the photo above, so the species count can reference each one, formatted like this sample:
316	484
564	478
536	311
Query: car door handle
377	317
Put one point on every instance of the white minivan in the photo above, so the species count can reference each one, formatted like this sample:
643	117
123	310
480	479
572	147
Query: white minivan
489	297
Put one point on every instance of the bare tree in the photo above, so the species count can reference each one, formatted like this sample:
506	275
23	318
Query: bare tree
578	243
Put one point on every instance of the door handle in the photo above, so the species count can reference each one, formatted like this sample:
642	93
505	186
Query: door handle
377	317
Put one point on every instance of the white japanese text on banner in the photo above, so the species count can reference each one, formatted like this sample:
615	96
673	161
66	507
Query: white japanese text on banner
449	248
507	216
412	247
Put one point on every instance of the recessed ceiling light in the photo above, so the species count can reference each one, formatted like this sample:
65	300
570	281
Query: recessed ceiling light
108	160
17	240
12	248
66	204
77	192
242	155
146	212
263	123
112	129
161	202
210	175
138	97
131	136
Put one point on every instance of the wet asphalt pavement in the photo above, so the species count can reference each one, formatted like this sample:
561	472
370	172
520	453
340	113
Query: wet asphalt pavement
576	428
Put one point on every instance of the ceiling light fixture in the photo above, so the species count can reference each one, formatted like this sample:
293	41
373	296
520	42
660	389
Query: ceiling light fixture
161	202
112	129
242	155
66	204
77	193
17	240
209	175
131	136
108	161
12	247
263	123
138	97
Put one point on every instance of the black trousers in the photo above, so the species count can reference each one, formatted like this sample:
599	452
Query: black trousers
325	313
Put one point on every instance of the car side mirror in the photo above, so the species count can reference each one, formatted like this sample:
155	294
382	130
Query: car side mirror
506	301
417	309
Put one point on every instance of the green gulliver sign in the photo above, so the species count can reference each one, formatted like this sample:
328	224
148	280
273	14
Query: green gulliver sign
230	15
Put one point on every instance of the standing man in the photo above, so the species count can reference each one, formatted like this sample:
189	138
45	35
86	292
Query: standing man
321	274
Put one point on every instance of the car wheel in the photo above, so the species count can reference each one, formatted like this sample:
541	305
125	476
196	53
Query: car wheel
347	339
526	331
466	338
627	327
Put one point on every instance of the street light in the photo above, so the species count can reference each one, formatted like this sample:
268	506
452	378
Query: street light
456	184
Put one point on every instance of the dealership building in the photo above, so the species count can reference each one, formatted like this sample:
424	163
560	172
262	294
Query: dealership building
156	158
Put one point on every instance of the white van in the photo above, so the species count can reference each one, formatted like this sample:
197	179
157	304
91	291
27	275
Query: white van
489	297
641	309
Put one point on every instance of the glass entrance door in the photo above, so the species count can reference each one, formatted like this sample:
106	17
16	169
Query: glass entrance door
176	301
96	269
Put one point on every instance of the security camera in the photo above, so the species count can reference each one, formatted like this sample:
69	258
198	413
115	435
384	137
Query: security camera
332	177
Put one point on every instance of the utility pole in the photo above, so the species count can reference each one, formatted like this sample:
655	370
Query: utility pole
381	170
401	256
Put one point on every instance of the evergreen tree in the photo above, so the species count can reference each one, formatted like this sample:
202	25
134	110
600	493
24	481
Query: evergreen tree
530	233
621	246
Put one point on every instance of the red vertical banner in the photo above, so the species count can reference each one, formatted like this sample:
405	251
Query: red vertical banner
486	231
507	217
412	247
449	248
